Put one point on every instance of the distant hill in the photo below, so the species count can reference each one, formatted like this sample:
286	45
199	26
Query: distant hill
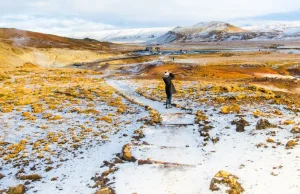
24	38
285	30
19	48
221	31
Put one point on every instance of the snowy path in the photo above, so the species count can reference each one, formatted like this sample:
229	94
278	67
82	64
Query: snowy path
175	141
185	166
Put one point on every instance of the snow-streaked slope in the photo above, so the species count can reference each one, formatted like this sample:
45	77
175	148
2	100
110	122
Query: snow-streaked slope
205	31
134	35
287	29
220	31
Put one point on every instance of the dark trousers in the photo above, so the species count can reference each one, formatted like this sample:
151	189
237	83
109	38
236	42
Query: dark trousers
169	100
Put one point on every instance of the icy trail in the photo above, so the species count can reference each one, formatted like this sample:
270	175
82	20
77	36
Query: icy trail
175	143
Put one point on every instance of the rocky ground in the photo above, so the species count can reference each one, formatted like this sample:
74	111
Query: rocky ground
79	131
223	136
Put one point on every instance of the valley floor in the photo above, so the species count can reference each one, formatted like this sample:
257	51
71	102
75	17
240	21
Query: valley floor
79	131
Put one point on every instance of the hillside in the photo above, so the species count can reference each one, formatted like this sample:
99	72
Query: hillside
22	38
220	31
18	47
285	29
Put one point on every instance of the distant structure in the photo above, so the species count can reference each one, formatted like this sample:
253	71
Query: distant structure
149	48
157	49
77	64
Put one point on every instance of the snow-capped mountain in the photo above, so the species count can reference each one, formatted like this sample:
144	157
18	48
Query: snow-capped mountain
135	35
286	29
201	32
221	31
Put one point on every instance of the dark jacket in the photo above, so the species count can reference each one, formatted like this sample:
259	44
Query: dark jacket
170	89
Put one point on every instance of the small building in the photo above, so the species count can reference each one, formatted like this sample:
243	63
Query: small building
77	64
149	48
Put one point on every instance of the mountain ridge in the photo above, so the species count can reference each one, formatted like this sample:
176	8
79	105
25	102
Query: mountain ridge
217	31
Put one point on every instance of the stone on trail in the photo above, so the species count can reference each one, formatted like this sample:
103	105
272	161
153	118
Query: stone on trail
126	154
228	180
200	116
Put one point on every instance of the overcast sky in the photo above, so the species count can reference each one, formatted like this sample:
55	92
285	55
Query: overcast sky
62	16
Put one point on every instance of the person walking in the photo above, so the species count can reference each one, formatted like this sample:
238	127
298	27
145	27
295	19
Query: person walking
170	88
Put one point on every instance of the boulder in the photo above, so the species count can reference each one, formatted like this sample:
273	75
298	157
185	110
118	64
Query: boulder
200	116
32	177
105	191
291	144
19	189
126	154
240	124
264	124
228	180
295	130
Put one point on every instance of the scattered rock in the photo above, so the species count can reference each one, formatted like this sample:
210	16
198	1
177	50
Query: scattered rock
257	113
277	112
206	128
33	177
288	122
105	191
274	174
1	176
109	171
240	124
126	154
48	168
230	109
240	128
204	134
200	116
269	140
106	119
118	161
155	117
139	134
215	140
19	189
228	180
291	144
295	130
264	124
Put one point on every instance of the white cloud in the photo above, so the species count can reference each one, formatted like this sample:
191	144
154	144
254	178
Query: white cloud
167	10
69	16
154	10
52	25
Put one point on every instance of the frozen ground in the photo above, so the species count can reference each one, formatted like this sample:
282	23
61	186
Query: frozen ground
180	159
188	166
